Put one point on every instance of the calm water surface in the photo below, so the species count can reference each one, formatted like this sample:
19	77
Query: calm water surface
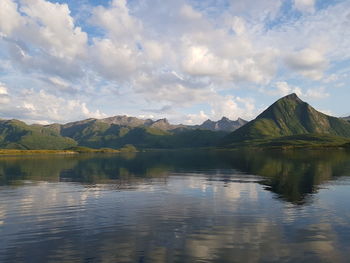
176	207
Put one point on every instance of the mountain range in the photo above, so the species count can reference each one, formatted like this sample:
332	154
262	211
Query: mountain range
113	132
224	124
288	121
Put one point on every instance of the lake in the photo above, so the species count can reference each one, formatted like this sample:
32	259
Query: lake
176	206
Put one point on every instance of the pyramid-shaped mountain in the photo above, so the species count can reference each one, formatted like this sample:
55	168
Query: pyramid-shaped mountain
289	116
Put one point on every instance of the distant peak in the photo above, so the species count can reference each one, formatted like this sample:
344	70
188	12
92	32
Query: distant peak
292	96
241	120
162	120
224	118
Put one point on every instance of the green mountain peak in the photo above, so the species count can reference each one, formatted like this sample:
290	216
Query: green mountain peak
286	117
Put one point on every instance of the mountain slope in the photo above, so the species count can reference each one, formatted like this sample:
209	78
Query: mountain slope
289	116
224	124
347	118
95	133
117	131
158	134
15	134
126	121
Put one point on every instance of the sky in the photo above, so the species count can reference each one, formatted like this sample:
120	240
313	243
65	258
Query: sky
184	60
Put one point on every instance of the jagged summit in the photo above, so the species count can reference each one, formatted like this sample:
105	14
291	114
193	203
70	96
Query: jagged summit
224	124
292	96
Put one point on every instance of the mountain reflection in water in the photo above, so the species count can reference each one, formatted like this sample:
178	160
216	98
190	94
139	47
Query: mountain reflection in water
173	206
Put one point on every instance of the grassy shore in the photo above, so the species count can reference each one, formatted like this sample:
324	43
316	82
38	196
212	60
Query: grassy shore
73	150
22	152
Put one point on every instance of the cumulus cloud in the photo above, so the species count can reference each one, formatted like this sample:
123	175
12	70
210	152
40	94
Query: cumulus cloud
309	62
4	98
188	12
255	10
45	25
52	27
228	106
232	107
282	88
173	54
10	19
199	118
305	5
42	107
112	60
117	21
3	89
41	37
316	93
199	60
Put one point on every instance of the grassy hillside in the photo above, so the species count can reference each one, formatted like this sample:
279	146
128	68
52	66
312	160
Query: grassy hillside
15	134
286	117
97	134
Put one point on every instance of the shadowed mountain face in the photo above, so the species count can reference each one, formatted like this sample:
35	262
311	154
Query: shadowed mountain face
224	124
290	116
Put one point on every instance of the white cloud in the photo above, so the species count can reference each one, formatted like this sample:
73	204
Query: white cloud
255	10
188	12
112	60
117	21
236	23
282	88
309	62
4	98
202	61
57	81
192	119
199	60
10	19
331	78
154	50
3	89
42	107
172	53
305	5
51	26
232	107
228	106
316	93
40	36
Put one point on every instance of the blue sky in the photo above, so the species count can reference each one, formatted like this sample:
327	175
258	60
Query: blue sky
186	60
